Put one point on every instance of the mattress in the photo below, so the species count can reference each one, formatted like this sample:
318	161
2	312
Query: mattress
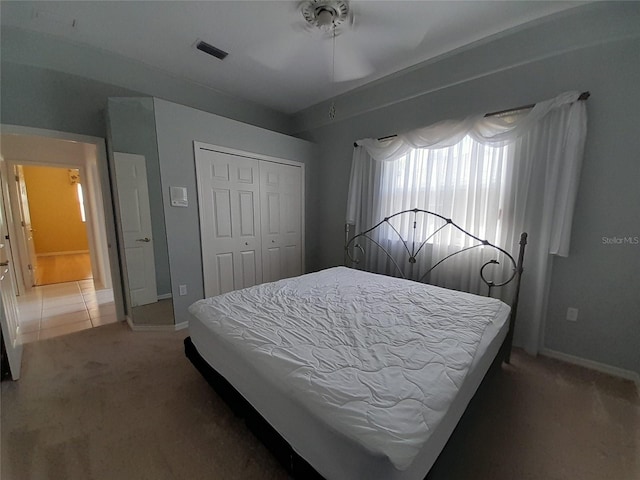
364	375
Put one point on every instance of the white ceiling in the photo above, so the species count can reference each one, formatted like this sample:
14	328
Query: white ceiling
272	59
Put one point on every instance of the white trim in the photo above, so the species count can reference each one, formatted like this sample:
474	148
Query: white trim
156	328
66	252
245	153
182	325
57	134
593	365
165	296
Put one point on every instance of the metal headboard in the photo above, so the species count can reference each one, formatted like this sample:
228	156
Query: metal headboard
414	246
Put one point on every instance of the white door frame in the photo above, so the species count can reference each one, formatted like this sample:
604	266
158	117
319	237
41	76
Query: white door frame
9	319
11	225
24	241
100	207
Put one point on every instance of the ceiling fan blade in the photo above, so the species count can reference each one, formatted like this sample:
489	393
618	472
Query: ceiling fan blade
385	40
350	63
278	47
375	26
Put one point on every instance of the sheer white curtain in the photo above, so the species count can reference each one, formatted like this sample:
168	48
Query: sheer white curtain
495	177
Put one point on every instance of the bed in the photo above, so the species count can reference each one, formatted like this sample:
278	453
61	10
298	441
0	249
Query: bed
348	374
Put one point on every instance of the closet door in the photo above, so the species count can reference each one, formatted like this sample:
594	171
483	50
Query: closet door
281	214
228	194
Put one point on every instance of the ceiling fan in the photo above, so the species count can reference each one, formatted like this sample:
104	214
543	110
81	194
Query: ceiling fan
323	31
328	19
326	15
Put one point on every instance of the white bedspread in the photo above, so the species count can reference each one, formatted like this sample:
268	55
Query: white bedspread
377	358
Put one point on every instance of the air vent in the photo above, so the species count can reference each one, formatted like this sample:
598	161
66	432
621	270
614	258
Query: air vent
211	50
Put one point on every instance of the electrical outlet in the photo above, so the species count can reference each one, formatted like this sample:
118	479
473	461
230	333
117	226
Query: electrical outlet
183	290
572	314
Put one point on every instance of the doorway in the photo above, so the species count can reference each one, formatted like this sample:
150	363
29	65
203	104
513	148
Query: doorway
64	299
50	201
65	276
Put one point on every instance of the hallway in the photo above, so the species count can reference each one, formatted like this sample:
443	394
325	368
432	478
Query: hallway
54	310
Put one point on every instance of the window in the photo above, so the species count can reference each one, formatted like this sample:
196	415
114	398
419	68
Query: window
81	202
491	189
466	182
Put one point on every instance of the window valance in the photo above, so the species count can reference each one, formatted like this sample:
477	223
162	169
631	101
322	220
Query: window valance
485	130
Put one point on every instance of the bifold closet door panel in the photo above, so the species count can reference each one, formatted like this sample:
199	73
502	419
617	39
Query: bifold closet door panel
281	215
229	201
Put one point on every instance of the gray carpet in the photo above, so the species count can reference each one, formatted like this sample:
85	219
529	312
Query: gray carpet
108	403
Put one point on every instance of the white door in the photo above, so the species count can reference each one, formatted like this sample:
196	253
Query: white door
228	196
281	205
135	219
8	305
28	257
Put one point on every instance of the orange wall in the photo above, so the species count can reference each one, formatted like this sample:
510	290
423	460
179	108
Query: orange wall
55	210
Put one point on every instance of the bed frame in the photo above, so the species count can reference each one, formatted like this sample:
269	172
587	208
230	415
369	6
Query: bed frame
355	249
295	465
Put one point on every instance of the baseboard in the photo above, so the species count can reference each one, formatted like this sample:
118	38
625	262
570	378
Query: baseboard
165	296
68	252
593	365
156	328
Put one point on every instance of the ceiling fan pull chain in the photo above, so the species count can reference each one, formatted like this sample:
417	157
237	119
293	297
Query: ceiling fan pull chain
332	108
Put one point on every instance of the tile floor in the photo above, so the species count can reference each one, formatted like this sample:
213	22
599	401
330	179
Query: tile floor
53	310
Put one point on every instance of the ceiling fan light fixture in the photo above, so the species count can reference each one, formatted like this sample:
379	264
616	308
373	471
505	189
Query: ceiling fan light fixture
325	14
324	18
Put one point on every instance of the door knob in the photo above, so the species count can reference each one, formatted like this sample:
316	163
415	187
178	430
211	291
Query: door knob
4	264
145	239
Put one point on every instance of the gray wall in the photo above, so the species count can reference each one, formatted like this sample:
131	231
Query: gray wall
177	128
133	130
41	98
593	48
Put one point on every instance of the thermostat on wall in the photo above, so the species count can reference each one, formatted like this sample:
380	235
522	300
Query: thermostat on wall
179	197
